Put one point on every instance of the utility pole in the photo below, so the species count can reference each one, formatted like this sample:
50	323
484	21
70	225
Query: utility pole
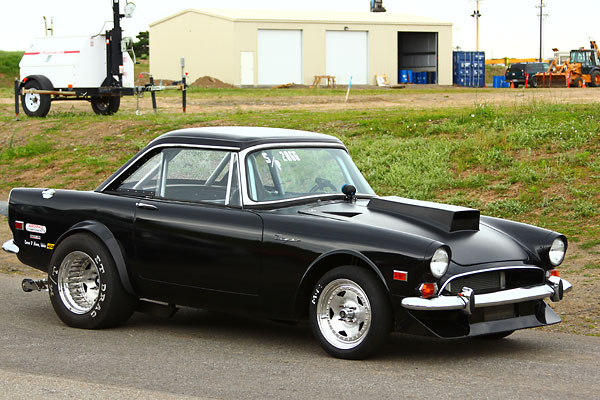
541	15
476	14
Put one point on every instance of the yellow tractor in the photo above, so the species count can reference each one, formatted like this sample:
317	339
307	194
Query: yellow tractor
582	69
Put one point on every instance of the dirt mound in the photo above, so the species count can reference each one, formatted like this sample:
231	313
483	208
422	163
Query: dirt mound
210	82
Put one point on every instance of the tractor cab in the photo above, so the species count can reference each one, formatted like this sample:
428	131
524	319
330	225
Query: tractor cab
587	58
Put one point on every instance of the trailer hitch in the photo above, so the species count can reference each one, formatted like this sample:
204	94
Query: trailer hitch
30	285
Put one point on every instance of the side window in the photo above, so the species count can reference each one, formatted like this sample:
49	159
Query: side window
144	180
196	175
183	174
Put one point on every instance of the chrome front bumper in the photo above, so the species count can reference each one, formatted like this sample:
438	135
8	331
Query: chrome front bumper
10	247
466	300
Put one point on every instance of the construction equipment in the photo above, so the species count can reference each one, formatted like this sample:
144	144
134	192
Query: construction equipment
581	69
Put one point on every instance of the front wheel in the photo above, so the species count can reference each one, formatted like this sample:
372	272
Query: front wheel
35	104
350	314
84	285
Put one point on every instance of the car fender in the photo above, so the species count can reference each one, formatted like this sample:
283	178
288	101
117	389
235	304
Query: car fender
45	83
321	265
105	235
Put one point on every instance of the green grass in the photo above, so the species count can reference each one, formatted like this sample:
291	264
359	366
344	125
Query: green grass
535	164
9	67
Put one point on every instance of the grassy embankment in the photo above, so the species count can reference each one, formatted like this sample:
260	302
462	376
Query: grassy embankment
537	165
9	67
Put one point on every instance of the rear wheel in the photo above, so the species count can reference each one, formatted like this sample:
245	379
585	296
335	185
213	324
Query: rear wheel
595	79
106	105
350	314
34	104
84	285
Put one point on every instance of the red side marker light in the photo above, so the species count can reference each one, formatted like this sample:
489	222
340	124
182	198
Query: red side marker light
400	276
19	225
428	290
554	272
24	80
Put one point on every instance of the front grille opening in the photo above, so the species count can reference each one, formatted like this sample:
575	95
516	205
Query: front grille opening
493	281
483	282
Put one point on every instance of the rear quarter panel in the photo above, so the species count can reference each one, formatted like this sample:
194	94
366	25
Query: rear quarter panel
46	221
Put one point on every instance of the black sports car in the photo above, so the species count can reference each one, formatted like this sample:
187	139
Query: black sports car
281	223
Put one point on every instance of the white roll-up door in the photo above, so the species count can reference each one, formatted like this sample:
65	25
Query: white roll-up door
279	56
348	55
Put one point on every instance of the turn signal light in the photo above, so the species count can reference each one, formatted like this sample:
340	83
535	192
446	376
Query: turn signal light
428	290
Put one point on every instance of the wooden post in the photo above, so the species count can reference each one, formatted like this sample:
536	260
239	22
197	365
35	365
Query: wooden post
17	98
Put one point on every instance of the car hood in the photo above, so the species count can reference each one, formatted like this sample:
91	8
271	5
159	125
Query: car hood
484	244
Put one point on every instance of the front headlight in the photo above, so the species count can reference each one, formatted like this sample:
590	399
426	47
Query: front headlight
439	262
557	252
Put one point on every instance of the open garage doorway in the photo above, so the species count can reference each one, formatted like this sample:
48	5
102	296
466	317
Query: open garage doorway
418	52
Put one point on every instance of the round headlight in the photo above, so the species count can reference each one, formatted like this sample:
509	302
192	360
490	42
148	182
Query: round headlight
439	262
557	252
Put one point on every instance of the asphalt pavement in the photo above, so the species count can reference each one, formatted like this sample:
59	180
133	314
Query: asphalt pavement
200	354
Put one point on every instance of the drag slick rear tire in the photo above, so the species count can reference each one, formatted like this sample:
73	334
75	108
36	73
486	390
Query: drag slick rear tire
350	313
84	285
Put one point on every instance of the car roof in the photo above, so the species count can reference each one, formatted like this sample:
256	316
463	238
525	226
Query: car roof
240	137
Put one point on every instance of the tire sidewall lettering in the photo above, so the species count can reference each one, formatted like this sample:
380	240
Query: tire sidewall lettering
103	287
316	294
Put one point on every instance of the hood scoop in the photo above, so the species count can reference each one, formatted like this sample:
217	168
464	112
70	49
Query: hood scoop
443	216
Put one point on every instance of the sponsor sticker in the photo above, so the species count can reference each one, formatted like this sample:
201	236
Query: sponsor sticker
35	237
50	246
35	228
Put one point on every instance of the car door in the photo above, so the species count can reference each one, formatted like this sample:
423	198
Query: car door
189	229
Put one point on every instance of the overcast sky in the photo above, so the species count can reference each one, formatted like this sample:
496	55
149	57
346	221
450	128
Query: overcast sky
507	27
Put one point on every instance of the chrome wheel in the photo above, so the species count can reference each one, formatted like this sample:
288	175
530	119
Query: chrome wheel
32	101
78	282
343	314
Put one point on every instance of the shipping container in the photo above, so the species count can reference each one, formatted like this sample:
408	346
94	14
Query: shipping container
469	68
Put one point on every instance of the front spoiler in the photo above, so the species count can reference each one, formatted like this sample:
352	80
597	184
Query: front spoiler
554	288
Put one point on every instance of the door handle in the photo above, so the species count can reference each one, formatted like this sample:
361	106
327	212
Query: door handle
146	206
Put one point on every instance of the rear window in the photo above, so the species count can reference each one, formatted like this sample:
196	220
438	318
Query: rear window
516	67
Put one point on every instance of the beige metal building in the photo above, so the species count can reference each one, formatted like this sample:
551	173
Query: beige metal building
259	47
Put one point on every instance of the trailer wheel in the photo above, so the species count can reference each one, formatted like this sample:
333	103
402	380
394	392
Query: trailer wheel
35	105
595	79
106	105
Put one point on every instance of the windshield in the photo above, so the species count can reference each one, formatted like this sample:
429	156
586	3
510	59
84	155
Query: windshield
287	173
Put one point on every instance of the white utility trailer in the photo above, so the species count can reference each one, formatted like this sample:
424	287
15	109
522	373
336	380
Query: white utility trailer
95	68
